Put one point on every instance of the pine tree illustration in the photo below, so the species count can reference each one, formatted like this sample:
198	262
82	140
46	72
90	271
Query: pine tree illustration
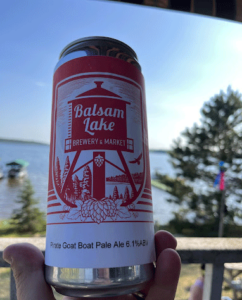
121	196
58	173
87	180
126	195
69	193
115	193
66	170
132	194
77	188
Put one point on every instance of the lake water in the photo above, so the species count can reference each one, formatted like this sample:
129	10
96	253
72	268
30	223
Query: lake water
38	158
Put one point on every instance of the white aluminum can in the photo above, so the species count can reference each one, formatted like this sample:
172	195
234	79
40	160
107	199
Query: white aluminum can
100	231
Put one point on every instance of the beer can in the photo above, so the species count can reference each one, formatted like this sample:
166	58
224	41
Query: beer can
100	230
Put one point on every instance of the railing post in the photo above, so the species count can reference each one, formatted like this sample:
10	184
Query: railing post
13	294
213	281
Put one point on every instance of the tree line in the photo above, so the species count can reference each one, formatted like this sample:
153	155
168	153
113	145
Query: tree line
202	153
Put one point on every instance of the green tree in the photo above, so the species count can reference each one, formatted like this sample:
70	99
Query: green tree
196	157
28	218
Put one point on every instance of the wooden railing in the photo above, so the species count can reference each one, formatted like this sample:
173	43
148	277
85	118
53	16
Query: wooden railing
213	252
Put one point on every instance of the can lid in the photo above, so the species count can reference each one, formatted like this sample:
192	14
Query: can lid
95	40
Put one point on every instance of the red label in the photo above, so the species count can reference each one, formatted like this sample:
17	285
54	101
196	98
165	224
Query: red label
99	166
102	118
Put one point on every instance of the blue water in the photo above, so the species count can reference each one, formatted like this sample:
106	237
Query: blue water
38	158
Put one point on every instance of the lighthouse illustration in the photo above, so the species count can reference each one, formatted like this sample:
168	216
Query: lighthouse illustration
100	172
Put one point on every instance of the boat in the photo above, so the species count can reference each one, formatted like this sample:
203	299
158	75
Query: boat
17	168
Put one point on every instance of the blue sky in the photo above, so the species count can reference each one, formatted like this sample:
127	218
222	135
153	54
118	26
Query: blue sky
185	59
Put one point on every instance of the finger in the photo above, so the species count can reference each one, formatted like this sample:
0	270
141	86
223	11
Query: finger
27	263
164	240
166	276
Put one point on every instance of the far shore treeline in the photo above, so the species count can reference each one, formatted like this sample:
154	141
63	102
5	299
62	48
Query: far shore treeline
3	140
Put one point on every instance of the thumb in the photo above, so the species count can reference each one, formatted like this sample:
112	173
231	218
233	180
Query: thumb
27	263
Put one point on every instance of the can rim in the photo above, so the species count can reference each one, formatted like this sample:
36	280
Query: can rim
99	38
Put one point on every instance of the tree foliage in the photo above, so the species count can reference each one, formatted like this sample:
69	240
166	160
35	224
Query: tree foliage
196	156
28	218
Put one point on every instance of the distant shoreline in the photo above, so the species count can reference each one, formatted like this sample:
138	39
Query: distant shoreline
40	143
21	142
158	151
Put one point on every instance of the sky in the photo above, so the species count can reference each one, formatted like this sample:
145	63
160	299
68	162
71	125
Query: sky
186	59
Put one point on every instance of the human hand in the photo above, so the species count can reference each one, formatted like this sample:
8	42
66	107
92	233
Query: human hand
27	263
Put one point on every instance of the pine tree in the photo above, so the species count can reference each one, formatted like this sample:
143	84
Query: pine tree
196	157
115	193
132	194
126	195
28	218
66	170
77	188
87	179
58	173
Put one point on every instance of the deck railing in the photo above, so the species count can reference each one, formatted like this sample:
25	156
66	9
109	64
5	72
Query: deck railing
213	252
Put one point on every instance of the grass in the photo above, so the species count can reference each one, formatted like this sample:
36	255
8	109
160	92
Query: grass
160	185
189	273
5	285
8	230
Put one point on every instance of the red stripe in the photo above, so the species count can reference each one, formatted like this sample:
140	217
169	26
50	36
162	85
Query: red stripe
58	212
141	210
147	191
64	223
51	194
52	198
51	191
144	203
54	204
147	196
